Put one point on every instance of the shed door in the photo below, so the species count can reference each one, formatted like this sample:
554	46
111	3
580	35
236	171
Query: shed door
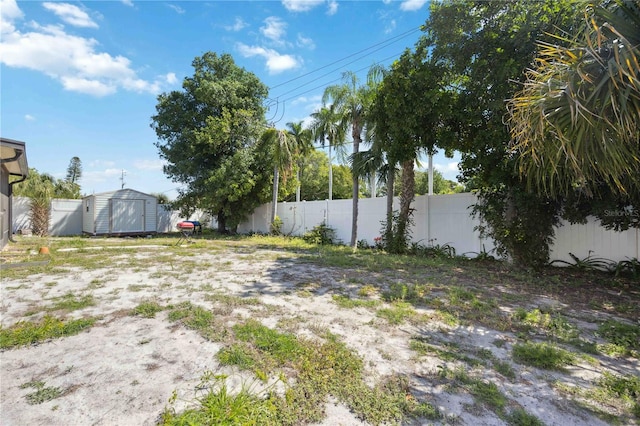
127	215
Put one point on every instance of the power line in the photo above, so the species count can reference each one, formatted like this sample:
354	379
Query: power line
382	45
336	79
387	41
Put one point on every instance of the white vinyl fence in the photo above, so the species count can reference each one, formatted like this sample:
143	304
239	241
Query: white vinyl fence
66	217
438	219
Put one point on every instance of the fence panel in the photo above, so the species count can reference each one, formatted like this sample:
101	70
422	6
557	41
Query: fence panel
66	217
439	219
21	214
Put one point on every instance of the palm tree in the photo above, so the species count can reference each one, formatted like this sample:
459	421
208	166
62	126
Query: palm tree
576	122
303	142
351	102
327	127
283	148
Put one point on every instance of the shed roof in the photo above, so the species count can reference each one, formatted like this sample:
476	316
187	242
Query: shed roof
108	193
13	156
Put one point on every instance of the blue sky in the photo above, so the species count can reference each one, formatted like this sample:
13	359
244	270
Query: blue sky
81	78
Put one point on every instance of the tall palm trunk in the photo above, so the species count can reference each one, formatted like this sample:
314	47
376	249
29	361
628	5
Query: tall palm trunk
274	199
356	190
330	174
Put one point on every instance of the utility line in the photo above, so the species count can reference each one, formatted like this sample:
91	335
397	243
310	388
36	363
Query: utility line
330	72
337	79
389	41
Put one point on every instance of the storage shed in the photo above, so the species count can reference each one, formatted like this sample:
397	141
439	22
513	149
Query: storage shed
121	212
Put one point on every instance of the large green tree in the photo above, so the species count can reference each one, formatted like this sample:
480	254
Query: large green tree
576	122
440	184
410	112
485	46
208	133
314	175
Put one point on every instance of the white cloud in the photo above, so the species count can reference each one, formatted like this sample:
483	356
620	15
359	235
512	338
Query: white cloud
90	87
171	78
313	100
127	2
238	25
71	14
72	60
449	167
276	62
29	117
332	7
274	29
305	42
412	5
390	26
176	8
149	164
93	177
9	10
301	5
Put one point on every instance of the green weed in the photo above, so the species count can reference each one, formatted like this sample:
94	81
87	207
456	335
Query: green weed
412	293
70	302
197	318
625	336
219	406
147	309
542	355
519	417
555	325
348	303
26	333
42	393
398	313
504	368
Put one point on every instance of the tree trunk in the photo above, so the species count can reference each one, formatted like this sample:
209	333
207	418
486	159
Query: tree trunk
373	184
356	190
222	222
274	199
330	174
407	194
390	189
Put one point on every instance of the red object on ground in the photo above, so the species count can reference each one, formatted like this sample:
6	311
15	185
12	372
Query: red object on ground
185	225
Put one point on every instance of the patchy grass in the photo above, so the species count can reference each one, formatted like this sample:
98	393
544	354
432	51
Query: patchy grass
70	302
543	355
147	309
399	289
26	333
398	313
42	393
199	319
623	338
347	302
320	367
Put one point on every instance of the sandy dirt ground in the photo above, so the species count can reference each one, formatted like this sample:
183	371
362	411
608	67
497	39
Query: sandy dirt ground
124	369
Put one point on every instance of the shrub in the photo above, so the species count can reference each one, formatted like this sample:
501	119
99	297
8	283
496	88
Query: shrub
320	234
